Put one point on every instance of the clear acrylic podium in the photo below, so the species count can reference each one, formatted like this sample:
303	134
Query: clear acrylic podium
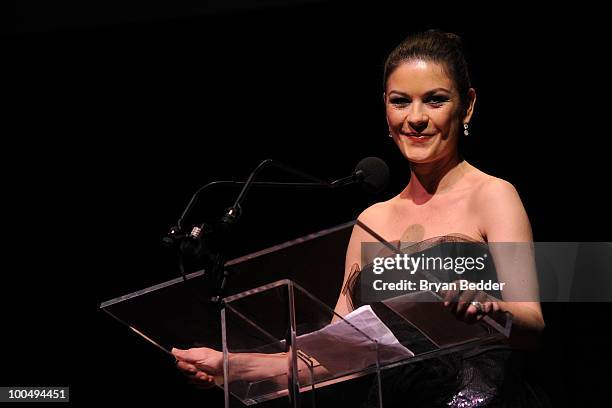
279	336
289	331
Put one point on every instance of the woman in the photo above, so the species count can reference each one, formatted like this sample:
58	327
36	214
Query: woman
429	104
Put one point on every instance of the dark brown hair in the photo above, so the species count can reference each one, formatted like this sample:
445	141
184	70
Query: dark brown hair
435	46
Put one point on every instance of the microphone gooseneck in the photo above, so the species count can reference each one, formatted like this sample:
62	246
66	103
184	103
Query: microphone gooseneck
206	240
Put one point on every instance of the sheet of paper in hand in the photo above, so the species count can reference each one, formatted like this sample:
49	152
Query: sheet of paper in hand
339	347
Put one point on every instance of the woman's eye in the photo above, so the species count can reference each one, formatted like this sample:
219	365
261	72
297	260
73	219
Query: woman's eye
399	101
433	100
437	100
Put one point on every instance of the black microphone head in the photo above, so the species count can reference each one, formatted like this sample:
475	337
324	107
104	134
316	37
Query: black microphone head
374	174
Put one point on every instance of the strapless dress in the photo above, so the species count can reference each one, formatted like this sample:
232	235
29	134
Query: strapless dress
486	376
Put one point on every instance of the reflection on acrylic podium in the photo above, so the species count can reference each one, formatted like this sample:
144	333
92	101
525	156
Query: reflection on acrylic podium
279	340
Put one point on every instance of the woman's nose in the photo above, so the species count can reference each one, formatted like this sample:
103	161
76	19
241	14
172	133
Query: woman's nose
417	120
418	126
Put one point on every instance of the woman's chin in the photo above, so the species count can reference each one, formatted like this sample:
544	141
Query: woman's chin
417	157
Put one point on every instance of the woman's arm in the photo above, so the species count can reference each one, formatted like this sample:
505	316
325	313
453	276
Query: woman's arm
206	365
353	260
343	305
504	222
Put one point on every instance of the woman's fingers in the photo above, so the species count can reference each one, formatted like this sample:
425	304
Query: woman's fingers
202	358
199	378
486	309
201	382
463	305
449	296
186	367
184	355
481	307
203	377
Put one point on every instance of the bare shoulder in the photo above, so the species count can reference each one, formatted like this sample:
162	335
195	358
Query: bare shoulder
374	212
376	217
496	208
493	192
500	211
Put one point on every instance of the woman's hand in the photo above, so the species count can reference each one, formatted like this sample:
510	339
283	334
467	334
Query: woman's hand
469	305
201	365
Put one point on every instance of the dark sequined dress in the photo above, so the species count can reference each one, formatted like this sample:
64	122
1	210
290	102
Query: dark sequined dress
486	376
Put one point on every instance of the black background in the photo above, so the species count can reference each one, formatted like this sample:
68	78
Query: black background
113	122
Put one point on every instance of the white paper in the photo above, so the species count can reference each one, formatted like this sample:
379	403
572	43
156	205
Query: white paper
340	347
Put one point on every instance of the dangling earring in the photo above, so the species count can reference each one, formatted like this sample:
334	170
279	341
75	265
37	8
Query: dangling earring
390	135
466	130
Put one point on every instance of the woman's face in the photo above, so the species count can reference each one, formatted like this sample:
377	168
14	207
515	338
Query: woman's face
422	105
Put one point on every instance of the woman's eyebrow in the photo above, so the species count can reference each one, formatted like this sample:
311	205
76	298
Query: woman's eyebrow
433	91
430	92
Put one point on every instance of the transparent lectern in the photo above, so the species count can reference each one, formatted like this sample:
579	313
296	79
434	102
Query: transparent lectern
277	330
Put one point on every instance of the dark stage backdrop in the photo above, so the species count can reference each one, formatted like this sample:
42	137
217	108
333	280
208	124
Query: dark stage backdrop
114	121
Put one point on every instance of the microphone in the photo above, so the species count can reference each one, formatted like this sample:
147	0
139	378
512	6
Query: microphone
206	240
372	173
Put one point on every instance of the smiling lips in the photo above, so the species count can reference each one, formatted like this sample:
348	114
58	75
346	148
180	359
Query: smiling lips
414	134
417	137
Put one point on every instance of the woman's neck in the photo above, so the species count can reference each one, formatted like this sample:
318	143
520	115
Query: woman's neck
427	179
